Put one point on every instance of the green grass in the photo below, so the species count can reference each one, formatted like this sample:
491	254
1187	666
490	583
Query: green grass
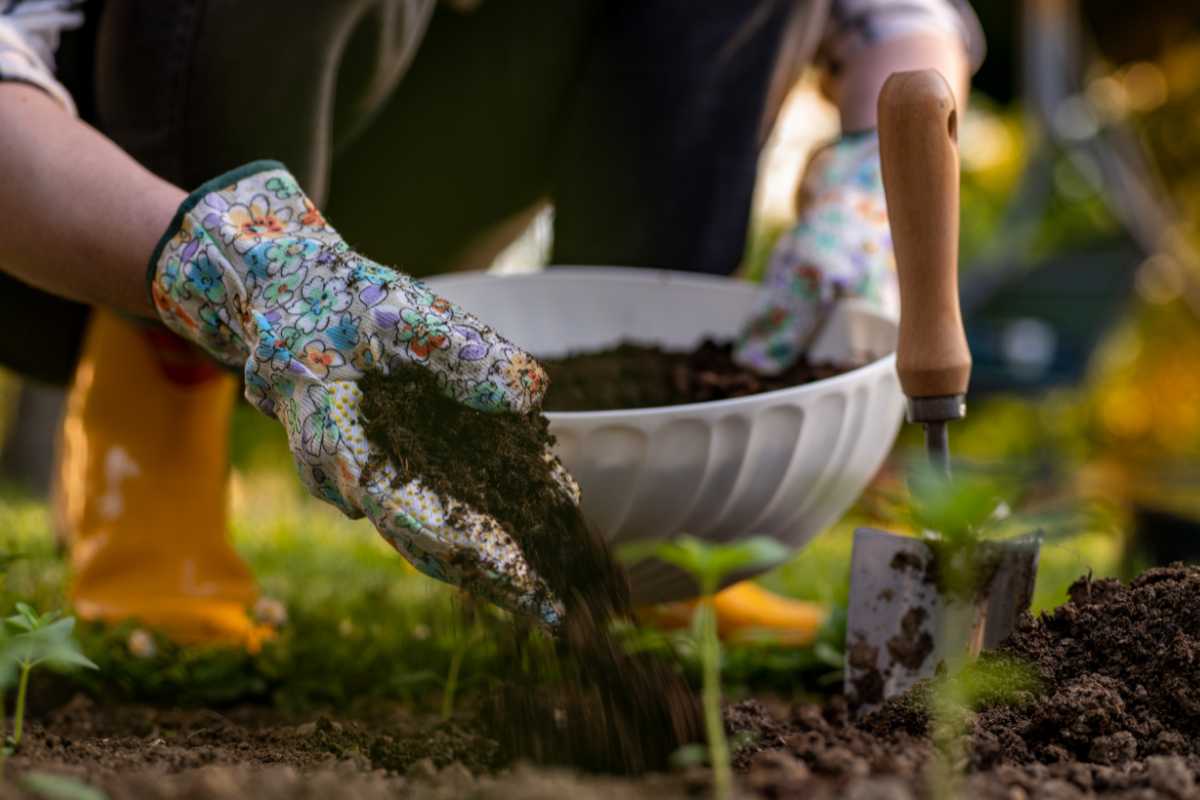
363	625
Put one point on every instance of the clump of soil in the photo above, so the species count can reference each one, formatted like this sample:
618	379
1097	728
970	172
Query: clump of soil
618	712
495	463
644	376
1115	711
1121	666
1118	676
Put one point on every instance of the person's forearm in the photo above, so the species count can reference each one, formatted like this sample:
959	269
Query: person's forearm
856	90
81	217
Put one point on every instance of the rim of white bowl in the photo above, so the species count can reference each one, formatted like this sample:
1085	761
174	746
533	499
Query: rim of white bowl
648	275
570	272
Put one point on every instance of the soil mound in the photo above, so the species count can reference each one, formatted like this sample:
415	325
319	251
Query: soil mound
1120	665
1116	712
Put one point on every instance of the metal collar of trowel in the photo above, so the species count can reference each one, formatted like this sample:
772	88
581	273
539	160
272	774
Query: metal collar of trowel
937	409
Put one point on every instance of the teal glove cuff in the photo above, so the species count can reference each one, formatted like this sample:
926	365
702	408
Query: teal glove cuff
220	182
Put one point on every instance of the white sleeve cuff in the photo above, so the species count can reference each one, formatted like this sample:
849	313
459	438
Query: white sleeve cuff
855	24
21	60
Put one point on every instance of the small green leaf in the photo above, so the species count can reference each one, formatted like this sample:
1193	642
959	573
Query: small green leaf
708	562
633	552
960	508
828	655
743	739
61	629
690	755
59	787
51	640
70	658
20	622
754	553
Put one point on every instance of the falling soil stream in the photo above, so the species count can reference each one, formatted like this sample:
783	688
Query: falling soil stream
607	710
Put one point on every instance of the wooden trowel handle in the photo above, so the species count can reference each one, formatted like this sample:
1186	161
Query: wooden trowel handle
919	155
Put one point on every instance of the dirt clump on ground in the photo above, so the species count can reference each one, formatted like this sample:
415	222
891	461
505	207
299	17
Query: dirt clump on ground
1121	667
1114	712
645	376
143	753
1113	716
610	711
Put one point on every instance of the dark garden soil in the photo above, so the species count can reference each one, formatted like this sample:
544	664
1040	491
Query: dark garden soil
642	376
1116	714
615	712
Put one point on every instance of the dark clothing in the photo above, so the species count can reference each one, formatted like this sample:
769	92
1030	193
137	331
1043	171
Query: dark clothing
640	120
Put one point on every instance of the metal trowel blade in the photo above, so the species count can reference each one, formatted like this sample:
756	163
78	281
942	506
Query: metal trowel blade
892	618
854	332
896	611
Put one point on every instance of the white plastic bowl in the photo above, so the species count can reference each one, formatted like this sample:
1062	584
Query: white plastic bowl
784	464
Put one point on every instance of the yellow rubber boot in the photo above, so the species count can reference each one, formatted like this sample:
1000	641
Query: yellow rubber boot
746	610
142	497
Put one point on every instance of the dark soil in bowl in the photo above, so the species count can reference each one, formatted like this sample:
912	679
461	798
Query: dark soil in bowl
1115	715
645	376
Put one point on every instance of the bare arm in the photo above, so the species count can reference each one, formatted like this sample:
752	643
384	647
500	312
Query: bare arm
857	89
81	216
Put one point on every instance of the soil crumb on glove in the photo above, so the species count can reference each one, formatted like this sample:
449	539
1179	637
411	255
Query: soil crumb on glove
608	710
492	462
644	376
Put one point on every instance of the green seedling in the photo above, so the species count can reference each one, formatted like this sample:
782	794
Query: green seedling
49	786
710	564
966	511
450	685
952	700
39	639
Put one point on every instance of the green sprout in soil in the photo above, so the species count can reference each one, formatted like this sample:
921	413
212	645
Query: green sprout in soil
466	641
38	639
49	786
966	512
954	698
710	564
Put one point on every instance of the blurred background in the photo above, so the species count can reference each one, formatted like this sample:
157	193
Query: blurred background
1081	292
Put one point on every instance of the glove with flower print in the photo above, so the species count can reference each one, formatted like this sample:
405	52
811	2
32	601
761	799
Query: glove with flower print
251	271
840	247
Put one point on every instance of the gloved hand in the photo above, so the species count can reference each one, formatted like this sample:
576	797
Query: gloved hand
251	271
840	247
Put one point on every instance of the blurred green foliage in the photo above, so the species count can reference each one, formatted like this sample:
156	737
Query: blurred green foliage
363	626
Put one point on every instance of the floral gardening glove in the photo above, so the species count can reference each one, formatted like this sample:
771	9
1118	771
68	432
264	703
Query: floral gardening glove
840	247
251	271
